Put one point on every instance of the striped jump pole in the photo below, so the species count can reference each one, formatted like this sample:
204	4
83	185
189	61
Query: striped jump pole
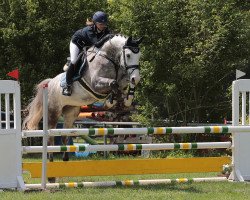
128	147
138	131
126	183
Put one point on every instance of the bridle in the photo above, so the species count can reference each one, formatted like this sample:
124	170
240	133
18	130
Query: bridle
125	67
135	50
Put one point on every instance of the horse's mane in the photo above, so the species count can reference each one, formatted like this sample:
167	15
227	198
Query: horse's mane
114	45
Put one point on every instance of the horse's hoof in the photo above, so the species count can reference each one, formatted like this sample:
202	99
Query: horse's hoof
128	101
52	179
108	104
65	159
51	158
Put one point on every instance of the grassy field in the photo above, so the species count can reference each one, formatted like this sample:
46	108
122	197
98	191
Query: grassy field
222	190
190	191
219	190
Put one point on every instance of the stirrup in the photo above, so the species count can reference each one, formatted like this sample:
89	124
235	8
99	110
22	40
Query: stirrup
67	91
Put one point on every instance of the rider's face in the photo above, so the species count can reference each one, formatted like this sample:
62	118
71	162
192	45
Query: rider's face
101	26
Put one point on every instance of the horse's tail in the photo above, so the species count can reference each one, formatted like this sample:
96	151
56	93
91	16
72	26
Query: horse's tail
35	108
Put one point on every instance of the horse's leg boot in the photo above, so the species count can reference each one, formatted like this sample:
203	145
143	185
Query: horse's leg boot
114	87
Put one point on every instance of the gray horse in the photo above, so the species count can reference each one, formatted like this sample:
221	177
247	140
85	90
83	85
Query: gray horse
112	69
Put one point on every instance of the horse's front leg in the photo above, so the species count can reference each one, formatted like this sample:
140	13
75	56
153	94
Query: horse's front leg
104	86
65	142
111	101
134	80
51	143
51	158
70	114
130	95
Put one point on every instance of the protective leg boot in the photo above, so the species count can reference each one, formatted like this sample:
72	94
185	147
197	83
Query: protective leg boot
67	90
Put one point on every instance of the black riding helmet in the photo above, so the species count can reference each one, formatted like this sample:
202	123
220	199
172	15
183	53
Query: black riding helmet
100	17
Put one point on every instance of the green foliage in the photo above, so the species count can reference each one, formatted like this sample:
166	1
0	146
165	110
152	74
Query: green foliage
35	37
190	50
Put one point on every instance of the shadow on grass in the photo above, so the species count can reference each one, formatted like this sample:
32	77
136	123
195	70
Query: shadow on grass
187	187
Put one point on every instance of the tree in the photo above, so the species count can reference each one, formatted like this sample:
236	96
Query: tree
192	49
35	37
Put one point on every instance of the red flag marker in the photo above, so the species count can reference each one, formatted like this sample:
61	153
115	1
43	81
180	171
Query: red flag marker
14	74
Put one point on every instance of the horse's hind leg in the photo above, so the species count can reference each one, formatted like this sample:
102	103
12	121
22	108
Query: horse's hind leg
70	114
53	116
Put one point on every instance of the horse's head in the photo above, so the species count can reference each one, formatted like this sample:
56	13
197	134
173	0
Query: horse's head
130	59
127	60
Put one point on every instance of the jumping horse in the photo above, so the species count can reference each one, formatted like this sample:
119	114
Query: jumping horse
112	68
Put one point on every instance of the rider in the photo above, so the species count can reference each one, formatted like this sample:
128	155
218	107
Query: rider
85	37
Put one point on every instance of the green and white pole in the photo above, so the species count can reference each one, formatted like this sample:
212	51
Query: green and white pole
128	147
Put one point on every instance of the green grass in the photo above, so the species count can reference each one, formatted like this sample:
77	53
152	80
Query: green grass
190	191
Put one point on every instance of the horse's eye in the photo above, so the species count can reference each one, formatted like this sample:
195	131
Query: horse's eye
135	49
128	55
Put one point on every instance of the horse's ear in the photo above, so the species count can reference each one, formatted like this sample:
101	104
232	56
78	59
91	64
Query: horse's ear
139	40
129	40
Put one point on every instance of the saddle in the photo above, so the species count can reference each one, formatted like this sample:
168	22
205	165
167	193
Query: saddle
80	66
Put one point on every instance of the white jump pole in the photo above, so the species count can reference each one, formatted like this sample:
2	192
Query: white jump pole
45	135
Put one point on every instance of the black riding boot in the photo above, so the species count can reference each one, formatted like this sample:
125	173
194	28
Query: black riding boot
67	90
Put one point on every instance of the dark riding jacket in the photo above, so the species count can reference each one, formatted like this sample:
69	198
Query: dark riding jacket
88	36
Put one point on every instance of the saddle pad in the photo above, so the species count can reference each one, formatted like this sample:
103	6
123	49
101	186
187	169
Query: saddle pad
63	80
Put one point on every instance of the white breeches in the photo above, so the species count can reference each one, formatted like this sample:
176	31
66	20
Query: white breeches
74	52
